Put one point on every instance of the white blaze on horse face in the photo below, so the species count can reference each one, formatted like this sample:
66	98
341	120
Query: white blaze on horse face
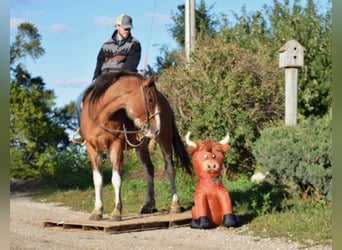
97	179
136	120
116	182
149	130
153	129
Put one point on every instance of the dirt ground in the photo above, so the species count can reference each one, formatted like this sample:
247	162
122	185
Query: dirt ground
27	232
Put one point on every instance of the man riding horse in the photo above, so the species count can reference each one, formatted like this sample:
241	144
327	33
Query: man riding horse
123	111
121	52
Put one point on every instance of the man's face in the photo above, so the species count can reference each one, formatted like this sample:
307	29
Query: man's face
122	33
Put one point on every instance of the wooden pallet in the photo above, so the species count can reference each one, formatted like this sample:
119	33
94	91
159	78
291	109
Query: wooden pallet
132	223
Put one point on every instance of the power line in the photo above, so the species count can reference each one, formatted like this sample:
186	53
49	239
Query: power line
149	37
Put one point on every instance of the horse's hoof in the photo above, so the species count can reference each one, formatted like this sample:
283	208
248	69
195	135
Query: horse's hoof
148	210
175	208
114	218
115	215
96	217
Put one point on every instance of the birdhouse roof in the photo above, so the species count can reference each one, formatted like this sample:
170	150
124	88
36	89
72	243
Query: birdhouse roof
291	43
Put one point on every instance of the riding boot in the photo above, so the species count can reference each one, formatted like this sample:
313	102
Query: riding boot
77	138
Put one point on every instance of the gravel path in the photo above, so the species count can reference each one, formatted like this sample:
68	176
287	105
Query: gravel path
27	232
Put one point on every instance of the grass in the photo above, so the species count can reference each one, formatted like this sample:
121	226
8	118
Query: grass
133	196
308	224
133	189
267	210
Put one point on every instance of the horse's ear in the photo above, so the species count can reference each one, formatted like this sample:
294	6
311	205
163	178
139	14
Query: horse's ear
149	81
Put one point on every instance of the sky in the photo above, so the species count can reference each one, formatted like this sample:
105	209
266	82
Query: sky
74	31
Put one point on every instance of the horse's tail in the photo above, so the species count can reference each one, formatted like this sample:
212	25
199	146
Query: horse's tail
180	149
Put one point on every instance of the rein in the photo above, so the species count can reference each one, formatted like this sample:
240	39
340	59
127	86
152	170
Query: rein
124	130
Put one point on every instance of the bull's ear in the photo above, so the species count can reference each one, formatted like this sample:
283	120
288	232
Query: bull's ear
225	147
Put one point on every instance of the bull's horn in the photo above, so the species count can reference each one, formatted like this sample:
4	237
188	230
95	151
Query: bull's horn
225	140
188	141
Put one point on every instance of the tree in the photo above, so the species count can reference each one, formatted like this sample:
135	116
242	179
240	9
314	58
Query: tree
204	23
235	83
313	29
278	23
34	122
27	43
205	27
229	89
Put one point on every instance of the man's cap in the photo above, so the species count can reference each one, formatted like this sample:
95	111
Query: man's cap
124	21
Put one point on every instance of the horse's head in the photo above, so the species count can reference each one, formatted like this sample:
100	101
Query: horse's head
146	112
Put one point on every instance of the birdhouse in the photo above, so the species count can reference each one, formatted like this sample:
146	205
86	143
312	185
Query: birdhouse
291	55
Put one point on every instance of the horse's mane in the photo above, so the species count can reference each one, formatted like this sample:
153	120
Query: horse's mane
103	82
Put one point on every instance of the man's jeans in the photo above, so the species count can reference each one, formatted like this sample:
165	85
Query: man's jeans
78	107
79	102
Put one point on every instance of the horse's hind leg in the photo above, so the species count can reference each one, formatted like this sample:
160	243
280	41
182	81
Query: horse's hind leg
169	166
143	155
165	141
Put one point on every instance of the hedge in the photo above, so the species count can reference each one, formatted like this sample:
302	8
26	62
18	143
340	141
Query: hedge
298	157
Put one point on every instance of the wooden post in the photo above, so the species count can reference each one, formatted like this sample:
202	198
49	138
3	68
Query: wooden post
291	57
291	83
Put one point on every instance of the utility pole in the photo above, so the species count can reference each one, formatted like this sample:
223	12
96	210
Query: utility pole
190	28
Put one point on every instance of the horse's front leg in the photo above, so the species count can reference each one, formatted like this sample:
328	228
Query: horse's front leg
116	156
96	161
143	156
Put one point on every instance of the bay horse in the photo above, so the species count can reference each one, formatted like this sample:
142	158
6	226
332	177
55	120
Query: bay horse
122	111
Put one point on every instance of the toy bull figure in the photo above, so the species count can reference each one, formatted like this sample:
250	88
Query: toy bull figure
213	206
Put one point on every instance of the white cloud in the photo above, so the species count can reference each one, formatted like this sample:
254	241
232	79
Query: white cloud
161	18
15	22
75	82
22	2
104	21
36	13
59	28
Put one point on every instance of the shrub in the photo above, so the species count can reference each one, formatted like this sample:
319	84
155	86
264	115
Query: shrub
67	169
298	156
226	88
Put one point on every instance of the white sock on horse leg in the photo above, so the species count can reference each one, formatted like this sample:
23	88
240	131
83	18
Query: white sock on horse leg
97	178
116	182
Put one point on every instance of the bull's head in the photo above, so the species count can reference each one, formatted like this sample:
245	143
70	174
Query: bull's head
190	143
207	155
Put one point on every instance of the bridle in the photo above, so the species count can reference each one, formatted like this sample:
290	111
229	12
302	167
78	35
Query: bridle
140	133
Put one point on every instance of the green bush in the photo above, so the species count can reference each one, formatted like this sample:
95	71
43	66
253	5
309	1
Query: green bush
298	156
19	171
66	170
225	89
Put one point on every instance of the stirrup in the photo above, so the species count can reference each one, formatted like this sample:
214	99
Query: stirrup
79	140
